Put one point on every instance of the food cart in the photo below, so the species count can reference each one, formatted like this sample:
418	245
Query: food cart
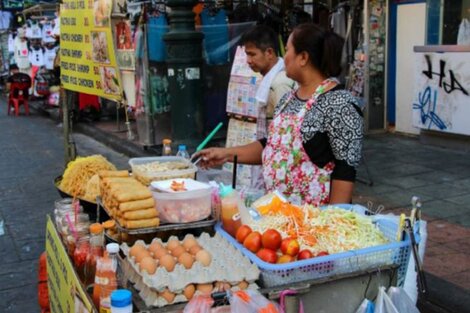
336	282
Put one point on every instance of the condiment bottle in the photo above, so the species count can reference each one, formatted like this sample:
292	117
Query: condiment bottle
166	150
182	152
229	209
80	255
96	251
121	301
106	278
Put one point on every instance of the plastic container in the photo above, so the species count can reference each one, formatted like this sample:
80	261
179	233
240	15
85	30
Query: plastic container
121	301
182	152
183	206
146	170
229	212
189	185
333	264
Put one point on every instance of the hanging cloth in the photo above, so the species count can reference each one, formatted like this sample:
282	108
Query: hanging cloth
157	26
216	37
262	93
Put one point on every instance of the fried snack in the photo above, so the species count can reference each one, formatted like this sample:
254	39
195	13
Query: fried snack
136	205
80	171
92	189
151	222
123	173
131	195
141	214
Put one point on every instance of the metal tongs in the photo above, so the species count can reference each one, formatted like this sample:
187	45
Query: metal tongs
409	228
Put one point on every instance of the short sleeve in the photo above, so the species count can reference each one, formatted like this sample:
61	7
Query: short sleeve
344	127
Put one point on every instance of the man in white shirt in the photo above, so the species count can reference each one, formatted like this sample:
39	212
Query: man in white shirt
261	46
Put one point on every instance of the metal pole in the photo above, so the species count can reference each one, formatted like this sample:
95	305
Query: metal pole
69	144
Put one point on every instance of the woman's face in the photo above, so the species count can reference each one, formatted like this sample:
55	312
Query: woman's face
291	60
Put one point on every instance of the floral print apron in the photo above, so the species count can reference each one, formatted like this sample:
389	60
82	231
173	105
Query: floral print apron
286	165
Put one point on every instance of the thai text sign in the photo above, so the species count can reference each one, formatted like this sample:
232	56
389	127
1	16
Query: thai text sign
87	58
441	99
66	294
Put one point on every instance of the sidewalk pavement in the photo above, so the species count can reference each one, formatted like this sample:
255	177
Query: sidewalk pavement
399	167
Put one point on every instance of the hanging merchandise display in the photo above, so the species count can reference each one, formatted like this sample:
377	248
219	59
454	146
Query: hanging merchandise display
157	26
159	96
216	36
88	60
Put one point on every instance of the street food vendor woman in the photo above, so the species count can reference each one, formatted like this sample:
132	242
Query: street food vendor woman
315	139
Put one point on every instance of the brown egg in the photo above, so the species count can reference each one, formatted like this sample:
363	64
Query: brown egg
195	249
178	251
189	291
205	289
168	262
172	244
204	257
243	285
160	252
186	260
189	242
141	254
135	248
148	264
154	247
167	295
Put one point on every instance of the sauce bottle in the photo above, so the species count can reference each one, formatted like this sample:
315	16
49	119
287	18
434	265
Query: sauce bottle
166	149
96	251
106	280
229	212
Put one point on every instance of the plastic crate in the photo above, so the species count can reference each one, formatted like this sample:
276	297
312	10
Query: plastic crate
339	263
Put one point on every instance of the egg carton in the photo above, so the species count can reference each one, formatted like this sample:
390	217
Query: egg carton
228	264
152	297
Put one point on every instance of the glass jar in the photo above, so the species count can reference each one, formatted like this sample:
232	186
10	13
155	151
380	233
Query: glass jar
73	237
80	256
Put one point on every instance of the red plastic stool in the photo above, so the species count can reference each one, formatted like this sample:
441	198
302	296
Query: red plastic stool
21	98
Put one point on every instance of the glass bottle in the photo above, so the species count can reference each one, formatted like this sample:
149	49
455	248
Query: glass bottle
166	150
182	152
96	251
80	255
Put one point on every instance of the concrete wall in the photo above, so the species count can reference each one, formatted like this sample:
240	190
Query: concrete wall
411	31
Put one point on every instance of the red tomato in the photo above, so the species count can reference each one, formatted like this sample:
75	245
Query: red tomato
290	246
285	259
271	239
305	254
322	253
242	233
253	242
267	255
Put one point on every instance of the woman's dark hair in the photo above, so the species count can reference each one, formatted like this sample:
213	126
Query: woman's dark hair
324	48
263	37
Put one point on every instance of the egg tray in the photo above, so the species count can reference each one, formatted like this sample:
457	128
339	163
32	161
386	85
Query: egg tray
228	264
152	298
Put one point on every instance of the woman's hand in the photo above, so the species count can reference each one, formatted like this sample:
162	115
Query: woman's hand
212	157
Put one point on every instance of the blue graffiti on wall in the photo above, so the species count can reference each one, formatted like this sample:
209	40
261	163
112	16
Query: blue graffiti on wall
427	106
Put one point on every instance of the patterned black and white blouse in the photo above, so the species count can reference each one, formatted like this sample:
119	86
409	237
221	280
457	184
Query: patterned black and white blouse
332	130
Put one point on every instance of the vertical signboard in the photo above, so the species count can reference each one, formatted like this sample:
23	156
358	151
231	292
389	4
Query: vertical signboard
87	57
66	294
442	92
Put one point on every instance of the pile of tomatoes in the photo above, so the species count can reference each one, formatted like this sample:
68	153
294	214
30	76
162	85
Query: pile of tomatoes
267	245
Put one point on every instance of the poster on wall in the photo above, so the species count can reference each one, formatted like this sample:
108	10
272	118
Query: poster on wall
87	58
66	294
441	99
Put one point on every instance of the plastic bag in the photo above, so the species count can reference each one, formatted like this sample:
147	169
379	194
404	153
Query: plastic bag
401	300
199	304
251	301
384	304
463	37
366	307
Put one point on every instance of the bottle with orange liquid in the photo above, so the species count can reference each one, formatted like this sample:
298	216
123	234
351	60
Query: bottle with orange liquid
96	251
106	278
229	212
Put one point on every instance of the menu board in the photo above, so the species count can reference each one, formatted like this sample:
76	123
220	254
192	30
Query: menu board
87	57
66	294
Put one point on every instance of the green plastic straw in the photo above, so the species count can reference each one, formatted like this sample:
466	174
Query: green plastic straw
209	137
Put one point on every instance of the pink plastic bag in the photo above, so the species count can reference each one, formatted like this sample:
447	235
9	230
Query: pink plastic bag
251	301
199	304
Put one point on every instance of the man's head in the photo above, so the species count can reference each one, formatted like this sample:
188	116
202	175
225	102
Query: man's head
14	69
261	47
